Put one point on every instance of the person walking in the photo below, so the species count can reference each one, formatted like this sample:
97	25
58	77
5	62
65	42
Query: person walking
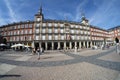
38	52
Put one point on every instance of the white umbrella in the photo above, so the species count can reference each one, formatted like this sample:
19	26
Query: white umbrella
2	44
16	45
27	46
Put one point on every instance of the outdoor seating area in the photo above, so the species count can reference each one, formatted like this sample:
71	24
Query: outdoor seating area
4	47
21	47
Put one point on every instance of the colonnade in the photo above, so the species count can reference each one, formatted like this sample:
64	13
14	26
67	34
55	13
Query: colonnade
67	44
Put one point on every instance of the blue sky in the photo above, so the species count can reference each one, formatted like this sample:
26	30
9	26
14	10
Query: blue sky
101	13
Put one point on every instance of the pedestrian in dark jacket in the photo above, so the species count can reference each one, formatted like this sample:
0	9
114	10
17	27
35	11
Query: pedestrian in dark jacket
38	52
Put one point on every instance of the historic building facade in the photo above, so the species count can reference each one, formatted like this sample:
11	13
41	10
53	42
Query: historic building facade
55	34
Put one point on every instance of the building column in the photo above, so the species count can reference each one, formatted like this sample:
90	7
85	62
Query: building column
58	45
40	44
75	44
91	44
83	44
94	44
80	45
87	44
45	45
52	45
65	45
70	45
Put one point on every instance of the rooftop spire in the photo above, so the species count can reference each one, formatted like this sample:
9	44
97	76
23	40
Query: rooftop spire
83	15
40	10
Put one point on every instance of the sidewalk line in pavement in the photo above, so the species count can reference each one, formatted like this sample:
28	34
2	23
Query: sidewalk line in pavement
24	58
118	77
4	68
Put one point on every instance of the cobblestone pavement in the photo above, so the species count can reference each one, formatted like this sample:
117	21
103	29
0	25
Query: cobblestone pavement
58	65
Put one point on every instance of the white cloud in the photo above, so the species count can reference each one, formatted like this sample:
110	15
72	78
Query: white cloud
103	13
65	15
79	10
11	11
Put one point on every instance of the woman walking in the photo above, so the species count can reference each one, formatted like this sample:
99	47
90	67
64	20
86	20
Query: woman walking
38	52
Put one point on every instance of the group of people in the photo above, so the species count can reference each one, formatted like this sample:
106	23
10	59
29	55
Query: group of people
39	51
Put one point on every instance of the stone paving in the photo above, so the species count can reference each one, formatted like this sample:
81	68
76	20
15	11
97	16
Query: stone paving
59	65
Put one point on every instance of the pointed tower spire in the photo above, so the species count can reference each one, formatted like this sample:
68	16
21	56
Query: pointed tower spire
39	16
40	10
83	16
84	20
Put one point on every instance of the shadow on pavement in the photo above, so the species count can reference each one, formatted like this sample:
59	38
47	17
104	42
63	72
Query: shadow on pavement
10	75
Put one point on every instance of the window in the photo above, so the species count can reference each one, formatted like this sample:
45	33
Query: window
85	32
43	30
73	37
82	37
18	32
26	25
76	26
49	24
44	24
30	25
56	30
61	25
78	37
89	33
14	32
56	24
38	19
50	37
61	30
22	26
62	37
50	30
15	27
26	31
43	37
30	37
30	31
72	26
21	38
37	38
81	32
21	31
13	38
37	30
17	38
72	31
37	25
56	37
77	31
8	33
11	32
18	26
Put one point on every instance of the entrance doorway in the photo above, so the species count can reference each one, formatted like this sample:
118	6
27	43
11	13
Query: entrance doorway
61	45
36	45
49	46
55	45
43	45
